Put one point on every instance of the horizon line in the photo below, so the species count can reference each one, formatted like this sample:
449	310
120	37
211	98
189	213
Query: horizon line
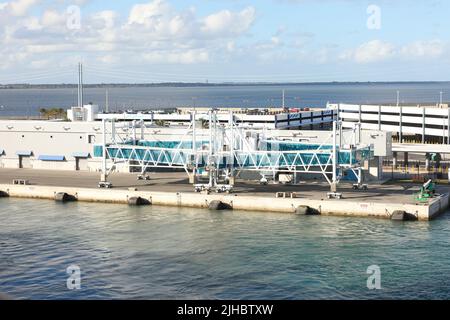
216	83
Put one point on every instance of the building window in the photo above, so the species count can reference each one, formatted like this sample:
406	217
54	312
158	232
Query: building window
91	139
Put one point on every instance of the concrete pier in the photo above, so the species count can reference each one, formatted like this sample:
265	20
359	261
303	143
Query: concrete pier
172	189
241	202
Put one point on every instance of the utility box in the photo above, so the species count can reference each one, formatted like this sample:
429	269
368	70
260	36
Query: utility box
380	140
286	178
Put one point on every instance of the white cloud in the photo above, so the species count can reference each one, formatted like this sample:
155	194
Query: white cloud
373	51
51	18
379	51
180	57
149	13
420	49
156	32
39	64
20	7
227	22
152	32
108	59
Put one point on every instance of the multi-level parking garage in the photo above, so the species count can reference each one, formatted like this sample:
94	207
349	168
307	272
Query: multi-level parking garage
412	124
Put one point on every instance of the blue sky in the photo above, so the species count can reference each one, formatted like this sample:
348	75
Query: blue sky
217	40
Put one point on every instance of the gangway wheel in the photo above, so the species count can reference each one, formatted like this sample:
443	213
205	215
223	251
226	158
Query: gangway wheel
105	184
334	195
358	186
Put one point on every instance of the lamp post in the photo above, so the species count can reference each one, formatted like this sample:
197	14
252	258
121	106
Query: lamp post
194	100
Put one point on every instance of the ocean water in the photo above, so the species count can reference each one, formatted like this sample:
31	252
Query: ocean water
27	102
163	252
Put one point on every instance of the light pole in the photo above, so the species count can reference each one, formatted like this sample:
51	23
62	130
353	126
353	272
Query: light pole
398	98
440	97
194	100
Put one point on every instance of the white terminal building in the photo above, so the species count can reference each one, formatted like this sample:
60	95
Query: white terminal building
69	145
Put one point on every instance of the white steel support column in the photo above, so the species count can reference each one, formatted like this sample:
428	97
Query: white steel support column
359	133
210	147
194	148
80	102
232	142
113	131
134	131
334	160
448	127
360	115
360	176
423	124
194	133
379	118
103	176
107	101
338	116
81	82
400	133
443	129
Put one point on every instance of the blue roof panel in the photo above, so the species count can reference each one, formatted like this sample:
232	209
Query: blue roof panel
51	158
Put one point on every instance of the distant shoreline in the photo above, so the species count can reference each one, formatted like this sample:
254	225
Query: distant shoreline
186	84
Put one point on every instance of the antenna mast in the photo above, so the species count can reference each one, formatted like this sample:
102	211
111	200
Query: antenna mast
107	101
80	85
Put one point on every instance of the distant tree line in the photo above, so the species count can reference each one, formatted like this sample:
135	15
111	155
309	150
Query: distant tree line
192	84
53	113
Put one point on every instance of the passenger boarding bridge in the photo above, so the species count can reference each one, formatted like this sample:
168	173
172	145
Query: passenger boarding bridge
224	150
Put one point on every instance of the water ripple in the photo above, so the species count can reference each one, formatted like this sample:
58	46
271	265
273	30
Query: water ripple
159	252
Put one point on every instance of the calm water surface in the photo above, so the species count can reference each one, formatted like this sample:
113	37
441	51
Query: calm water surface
162	252
27	102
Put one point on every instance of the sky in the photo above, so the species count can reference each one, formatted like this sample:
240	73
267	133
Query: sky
128	41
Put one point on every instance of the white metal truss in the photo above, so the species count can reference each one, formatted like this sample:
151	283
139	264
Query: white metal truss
228	149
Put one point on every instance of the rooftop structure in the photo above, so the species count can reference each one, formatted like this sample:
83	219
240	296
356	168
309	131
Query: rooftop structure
274	118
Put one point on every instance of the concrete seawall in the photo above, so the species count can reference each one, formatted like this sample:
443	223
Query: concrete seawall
238	202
